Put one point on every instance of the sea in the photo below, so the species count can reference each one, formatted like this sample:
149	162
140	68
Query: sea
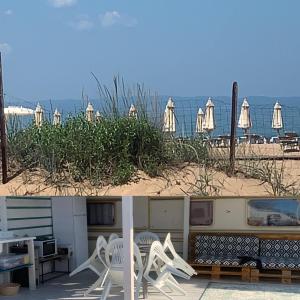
186	108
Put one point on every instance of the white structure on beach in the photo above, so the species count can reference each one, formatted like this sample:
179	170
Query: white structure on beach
18	110
200	121
132	111
245	119
56	118
169	117
39	112
209	118
90	112
277	122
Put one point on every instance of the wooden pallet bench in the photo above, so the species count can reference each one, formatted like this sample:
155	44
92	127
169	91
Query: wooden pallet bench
216	272
218	255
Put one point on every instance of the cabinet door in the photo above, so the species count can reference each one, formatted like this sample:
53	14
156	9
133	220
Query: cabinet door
81	239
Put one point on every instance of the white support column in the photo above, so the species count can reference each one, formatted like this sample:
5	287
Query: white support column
186	226
31	269
127	220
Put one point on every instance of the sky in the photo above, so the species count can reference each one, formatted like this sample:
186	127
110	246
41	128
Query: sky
175	47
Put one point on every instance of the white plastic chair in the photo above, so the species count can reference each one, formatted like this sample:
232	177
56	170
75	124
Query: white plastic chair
164	275
177	261
146	238
114	258
93	262
112	237
101	246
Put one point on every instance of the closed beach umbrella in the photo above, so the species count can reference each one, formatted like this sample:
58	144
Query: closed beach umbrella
277	122
18	110
38	115
90	113
245	120
200	121
209	118
56	118
132	111
98	116
169	117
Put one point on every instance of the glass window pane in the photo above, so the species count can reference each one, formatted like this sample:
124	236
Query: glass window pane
201	212
100	213
274	212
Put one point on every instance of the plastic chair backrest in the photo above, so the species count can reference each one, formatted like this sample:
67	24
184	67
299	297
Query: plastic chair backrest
114	255
169	245
112	237
146	238
101	244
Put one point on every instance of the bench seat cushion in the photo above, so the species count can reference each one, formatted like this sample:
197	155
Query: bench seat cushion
230	261
280	248
280	263
226	246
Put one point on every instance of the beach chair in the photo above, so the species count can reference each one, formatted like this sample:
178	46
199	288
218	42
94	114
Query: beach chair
114	259
146	238
101	246
163	278
177	261
112	237
93	262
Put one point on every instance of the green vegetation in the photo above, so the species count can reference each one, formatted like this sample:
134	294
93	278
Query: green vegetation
109	151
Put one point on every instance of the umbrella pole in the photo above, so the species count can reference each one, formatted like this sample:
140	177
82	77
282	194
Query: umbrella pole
3	130
233	127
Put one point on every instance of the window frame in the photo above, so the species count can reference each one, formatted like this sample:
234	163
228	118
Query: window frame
211	202
102	203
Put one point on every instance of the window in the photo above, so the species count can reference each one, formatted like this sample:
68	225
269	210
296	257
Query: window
201	212
274	212
101	213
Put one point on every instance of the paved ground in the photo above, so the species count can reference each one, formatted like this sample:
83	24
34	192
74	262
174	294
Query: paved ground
66	288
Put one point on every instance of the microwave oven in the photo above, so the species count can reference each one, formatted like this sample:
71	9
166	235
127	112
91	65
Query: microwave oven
46	247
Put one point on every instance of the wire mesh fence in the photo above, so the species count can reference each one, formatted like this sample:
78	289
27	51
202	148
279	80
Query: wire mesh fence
185	114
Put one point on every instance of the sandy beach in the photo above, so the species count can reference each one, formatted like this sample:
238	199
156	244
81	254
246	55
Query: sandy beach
186	179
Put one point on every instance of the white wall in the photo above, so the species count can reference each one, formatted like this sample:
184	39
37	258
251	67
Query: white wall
70	226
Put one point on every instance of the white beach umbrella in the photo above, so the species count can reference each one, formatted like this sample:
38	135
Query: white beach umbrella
90	112
98	116
132	111
245	119
39	112
56	118
200	121
169	117
277	122
18	110
209	118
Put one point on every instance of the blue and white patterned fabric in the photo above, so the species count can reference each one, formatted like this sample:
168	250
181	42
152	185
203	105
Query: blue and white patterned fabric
225	250
226	245
280	263
280	248
280	254
229	261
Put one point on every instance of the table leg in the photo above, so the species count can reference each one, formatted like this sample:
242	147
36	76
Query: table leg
31	269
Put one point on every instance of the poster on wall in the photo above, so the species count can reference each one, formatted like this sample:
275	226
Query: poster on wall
274	212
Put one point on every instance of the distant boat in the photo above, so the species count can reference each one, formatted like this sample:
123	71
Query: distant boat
18	110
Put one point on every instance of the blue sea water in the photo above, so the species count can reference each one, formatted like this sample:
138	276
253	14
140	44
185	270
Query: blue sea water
261	110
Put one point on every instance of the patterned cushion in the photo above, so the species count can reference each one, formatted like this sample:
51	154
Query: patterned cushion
222	260
280	248
280	263
226	246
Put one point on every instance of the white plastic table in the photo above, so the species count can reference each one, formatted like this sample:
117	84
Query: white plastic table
4	245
